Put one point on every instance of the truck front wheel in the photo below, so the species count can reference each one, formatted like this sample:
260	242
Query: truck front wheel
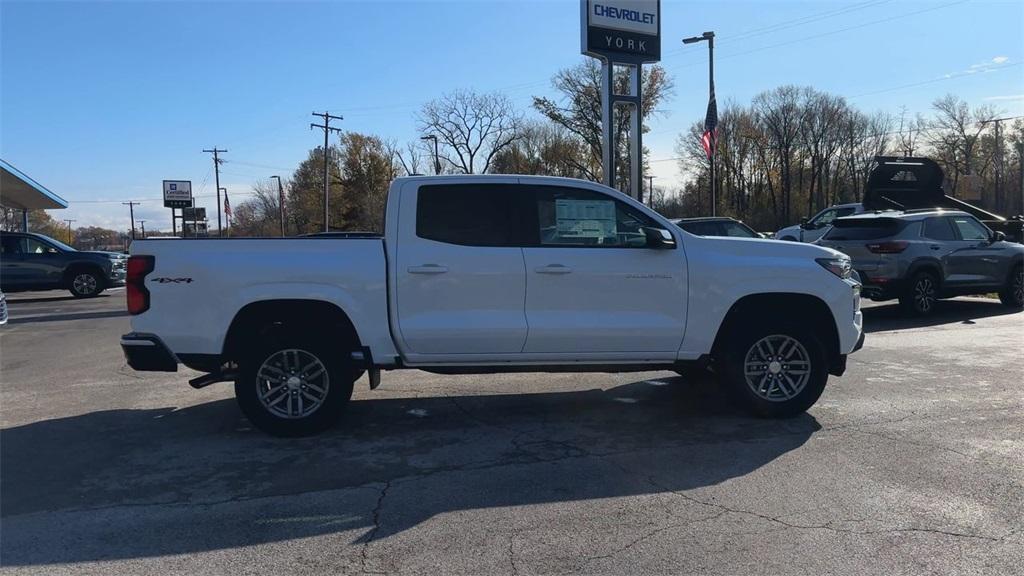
294	387
775	370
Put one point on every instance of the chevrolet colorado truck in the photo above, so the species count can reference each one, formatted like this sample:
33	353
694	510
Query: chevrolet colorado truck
487	274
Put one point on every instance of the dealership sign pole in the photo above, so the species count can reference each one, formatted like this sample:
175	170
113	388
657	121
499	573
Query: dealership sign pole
628	33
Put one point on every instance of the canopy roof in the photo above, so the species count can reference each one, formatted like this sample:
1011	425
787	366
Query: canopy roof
19	191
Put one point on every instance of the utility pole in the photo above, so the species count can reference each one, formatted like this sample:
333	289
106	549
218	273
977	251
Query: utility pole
280	203
69	230
327	128
131	211
216	168
437	161
143	224
650	191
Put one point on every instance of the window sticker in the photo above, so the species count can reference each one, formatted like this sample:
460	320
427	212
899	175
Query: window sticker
585	219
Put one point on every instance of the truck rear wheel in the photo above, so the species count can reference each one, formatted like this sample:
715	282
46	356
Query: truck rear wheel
294	386
775	370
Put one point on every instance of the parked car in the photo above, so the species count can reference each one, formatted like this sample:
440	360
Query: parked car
487	274
3	309
920	256
716	226
809	230
35	262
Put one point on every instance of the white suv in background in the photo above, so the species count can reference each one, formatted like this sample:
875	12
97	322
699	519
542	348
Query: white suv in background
811	230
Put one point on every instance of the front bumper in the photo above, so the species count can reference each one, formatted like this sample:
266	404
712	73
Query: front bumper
148	353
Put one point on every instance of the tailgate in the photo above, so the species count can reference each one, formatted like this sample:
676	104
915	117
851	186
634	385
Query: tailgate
852	235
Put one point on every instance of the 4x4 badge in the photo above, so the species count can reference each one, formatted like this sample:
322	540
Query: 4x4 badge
173	280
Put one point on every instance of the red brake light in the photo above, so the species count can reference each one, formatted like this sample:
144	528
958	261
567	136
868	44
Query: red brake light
887	247
135	287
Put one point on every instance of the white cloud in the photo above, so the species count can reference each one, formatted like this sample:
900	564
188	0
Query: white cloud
1009	97
1000	59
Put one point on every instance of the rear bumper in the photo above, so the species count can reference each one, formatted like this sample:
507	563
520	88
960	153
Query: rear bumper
873	288
148	353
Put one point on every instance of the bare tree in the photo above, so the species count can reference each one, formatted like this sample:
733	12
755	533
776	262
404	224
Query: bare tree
956	135
471	128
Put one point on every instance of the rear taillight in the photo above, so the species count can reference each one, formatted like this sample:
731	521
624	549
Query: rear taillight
887	247
135	287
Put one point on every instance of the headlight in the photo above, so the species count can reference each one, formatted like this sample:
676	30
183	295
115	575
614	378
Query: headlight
839	265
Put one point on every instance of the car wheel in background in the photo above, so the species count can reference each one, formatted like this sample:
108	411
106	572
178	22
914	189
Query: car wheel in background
921	294
774	369
85	284
1013	294
294	385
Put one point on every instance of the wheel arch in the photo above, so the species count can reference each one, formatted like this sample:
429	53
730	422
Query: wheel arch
321	316
780	306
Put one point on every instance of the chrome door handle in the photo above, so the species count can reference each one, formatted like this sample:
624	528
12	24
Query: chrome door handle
553	269
428	269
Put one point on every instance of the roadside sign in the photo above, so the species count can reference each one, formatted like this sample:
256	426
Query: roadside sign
193	214
177	193
627	31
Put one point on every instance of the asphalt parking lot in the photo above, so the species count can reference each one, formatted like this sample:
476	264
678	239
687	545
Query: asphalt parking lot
913	463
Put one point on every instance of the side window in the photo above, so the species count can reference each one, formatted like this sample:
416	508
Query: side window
12	245
702	228
471	214
845	212
34	246
938	229
970	229
737	230
575	217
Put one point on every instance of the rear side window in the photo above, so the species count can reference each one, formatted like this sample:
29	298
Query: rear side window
737	230
471	214
938	229
701	228
864	228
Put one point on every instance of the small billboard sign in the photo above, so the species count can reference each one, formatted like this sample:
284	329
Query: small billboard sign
627	31
177	193
193	214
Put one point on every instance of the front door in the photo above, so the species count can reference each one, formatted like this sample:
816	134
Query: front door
460	278
593	286
976	260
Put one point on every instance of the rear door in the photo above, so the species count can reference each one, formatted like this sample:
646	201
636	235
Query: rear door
593	286
460	277
13	271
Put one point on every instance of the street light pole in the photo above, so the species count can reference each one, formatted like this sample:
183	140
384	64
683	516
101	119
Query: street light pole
437	161
710	38
650	191
280	203
143	224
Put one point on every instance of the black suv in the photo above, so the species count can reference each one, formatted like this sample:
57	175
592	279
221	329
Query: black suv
919	256
35	262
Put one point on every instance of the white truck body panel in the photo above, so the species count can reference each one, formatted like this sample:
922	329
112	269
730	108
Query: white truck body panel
428	304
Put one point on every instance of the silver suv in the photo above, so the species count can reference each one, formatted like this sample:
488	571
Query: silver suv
919	256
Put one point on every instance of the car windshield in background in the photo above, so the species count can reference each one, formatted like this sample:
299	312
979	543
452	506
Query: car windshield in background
864	228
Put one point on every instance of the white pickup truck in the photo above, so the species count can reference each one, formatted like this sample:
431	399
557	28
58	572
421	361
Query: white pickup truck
484	274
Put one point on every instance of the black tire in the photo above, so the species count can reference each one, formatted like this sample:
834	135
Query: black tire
782	386
1012	294
921	294
286	354
85	284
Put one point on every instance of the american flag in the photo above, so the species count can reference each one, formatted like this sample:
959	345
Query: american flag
707	140
227	205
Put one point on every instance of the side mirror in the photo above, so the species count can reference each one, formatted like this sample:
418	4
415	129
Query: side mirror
998	237
658	238
806	224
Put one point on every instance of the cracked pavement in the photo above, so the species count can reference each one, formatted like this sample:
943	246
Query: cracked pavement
912	463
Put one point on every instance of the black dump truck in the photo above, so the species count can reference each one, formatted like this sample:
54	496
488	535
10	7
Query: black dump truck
917	183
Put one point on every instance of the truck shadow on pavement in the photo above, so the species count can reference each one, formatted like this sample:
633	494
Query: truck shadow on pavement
890	317
125	484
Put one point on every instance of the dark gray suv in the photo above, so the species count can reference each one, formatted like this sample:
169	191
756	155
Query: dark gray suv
35	262
919	256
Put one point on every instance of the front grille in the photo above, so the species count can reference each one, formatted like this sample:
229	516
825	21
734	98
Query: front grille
3	309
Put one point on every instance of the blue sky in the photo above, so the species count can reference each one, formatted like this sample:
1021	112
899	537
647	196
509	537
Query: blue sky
100	101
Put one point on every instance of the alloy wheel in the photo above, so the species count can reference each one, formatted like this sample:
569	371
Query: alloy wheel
924	294
292	383
84	284
777	368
